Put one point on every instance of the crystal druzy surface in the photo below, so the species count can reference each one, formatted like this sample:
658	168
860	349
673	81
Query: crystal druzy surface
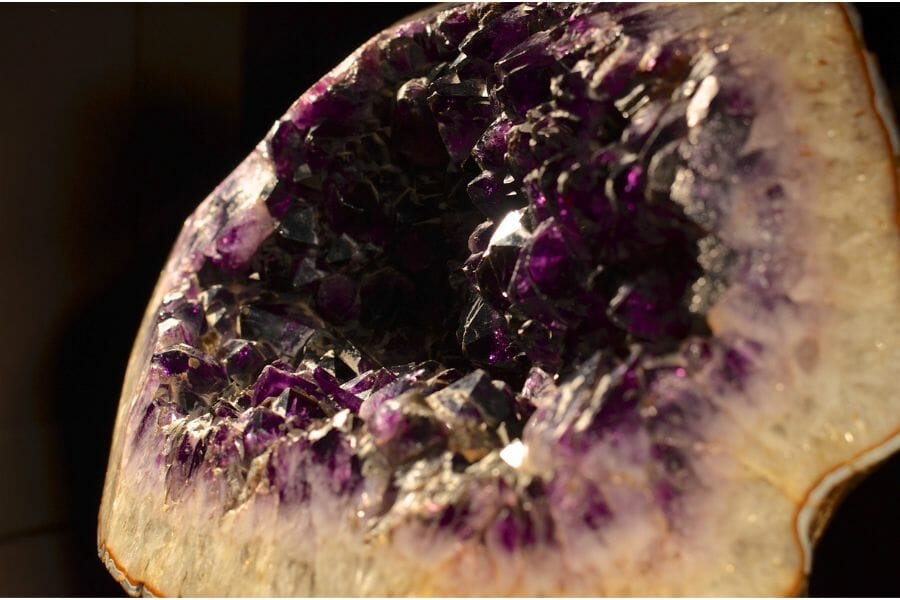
494	233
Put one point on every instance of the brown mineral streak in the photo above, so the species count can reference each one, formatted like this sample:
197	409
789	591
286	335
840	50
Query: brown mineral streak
799	585
859	49
134	583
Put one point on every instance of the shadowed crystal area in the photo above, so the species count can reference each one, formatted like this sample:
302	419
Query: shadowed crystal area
485	207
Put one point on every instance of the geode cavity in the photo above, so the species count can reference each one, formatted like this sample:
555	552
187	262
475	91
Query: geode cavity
468	282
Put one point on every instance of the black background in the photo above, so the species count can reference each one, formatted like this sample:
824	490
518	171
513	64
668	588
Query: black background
116	121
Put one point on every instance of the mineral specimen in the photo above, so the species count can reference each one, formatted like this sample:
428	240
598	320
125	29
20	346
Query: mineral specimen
537	298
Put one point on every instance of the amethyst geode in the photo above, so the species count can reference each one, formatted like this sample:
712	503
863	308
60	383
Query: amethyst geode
489	206
495	236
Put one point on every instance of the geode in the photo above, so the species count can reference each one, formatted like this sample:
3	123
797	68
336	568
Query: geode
526	299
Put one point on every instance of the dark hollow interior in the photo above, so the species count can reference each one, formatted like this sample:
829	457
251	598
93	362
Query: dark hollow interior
389	201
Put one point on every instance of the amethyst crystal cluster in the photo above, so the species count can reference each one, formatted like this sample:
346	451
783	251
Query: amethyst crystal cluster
490	206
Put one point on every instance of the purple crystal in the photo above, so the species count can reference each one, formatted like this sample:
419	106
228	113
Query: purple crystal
596	511
286	147
280	198
495	195
485	339
333	452
331	386
352	207
300	408
490	150
481	237
628	188
496	266
263	428
414	131
337	298
406	56
538	384
286	335
226	445
473	208
620	401
404	430
547	258
452	25
525	75
299	225
370	381
287	471
218	302
238	240
244	360
272	381
385	393
738	360
514	531
172	332
650	307
150	417
189	314
475	391
185	459
306	273
204	375
499	35
462	111
584	504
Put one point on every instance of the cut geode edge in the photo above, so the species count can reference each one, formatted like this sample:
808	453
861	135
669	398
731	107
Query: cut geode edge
863	460
824	497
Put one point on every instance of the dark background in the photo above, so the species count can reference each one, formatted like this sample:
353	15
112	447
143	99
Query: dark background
116	121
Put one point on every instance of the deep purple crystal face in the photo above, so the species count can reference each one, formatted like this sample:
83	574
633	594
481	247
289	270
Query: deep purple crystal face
490	207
